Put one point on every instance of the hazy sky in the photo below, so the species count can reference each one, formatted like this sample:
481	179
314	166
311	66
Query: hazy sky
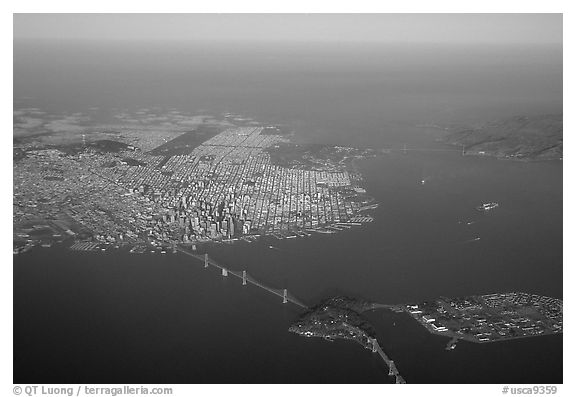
438	28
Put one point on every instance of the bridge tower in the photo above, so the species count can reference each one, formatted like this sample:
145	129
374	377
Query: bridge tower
224	272
390	366
243	277
285	296
205	260
374	343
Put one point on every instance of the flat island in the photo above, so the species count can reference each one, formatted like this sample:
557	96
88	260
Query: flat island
490	318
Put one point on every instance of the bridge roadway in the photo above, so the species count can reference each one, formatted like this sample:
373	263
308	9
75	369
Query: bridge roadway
424	150
407	149
392	370
287	297
245	277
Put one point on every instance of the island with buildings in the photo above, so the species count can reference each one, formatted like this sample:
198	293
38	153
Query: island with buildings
490	318
478	319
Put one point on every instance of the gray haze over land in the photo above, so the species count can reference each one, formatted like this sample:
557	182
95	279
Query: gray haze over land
371	28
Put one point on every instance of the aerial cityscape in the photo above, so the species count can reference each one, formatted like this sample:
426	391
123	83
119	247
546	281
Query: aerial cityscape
225	188
244	211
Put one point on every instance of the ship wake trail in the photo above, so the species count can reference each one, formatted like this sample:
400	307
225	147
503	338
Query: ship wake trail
472	240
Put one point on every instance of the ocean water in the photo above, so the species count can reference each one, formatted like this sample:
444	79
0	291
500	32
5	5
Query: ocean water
115	317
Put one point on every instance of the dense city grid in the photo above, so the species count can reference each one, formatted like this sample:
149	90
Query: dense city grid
225	188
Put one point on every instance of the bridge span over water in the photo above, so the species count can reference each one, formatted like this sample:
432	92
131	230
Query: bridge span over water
287	297
246	278
392	370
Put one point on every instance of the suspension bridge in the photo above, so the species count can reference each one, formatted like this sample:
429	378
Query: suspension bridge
405	149
392	370
245	277
286	298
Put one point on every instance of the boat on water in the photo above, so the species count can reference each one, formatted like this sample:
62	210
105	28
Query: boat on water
451	345
487	206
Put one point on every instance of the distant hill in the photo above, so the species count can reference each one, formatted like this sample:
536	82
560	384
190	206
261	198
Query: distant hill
520	137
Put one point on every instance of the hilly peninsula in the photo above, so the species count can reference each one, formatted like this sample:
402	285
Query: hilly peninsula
520	137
